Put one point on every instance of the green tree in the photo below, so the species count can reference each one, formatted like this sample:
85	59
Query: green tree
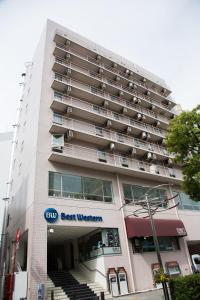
183	140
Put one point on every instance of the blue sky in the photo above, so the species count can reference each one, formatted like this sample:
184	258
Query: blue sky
162	36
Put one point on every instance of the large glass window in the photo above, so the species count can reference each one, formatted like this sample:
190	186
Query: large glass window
146	244
134	193
186	202
72	186
54	184
99	242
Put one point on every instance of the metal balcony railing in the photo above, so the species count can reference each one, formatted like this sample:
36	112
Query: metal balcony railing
115	116
105	158
119	73
115	84
110	135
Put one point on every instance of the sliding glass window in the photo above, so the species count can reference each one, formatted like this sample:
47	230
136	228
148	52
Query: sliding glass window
72	186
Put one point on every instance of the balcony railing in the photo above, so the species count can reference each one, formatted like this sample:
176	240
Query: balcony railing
115	116
115	84
109	159
110	135
119	73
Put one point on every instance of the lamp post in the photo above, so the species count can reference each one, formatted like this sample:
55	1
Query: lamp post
3	248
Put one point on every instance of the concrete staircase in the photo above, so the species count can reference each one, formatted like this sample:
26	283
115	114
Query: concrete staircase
65	286
94	286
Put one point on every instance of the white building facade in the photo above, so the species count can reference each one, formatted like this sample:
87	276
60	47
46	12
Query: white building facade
89	144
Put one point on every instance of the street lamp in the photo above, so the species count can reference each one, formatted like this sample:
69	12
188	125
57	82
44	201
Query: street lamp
3	248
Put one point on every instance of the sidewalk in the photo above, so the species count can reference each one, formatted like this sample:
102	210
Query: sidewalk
152	295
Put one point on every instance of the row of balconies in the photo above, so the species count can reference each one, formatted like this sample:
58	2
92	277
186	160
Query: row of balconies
101	160
108	139
116	69
157	133
105	84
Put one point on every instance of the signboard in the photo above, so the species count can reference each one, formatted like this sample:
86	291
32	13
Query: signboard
51	216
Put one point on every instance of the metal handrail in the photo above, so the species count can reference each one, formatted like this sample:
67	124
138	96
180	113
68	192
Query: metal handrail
113	83
142	125
93	60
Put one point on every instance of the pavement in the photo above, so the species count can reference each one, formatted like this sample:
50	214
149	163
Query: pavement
151	295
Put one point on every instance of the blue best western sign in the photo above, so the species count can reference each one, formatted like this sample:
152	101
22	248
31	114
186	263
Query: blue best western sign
51	216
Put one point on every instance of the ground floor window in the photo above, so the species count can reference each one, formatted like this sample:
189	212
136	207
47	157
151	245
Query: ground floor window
100	242
146	244
73	186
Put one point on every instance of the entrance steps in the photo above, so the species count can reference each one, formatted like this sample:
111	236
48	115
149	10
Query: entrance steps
66	287
94	286
59	294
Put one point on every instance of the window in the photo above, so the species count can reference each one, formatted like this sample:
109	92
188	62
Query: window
146	244
54	184
57	142
134	193
58	77
99	242
96	109
73	186
57	118
186	202
116	116
58	96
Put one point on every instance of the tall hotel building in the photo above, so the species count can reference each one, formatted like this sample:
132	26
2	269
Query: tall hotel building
89	144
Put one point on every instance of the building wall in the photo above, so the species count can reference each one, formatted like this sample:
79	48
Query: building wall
5	159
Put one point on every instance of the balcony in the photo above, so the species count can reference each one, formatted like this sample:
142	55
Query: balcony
107	162
112	86
111	71
104	137
119	120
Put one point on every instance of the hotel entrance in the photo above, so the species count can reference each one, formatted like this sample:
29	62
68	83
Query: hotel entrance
63	246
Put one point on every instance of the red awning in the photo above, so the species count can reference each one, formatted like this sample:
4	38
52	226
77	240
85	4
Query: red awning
138	227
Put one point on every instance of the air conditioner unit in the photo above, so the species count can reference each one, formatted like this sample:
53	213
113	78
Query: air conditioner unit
130	84
164	90
157	123
68	56
124	110
68	90
144	80
148	136
169	162
103	86
68	71
121	93
67	43
69	110
100	71
152	107
143	117
105	103
135	86
114	65
131	73
98	57
132	151
135	100
148	93
112	146
149	156
127	72
139	116
144	135
128	130
108	123
117	78
69	135
57	142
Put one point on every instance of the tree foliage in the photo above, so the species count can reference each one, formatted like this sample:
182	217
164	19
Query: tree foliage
183	140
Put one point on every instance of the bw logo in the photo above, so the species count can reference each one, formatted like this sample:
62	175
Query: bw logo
51	215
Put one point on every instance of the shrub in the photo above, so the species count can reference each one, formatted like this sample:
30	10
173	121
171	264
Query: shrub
185	288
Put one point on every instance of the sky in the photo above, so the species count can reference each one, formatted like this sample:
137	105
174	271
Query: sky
162	36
